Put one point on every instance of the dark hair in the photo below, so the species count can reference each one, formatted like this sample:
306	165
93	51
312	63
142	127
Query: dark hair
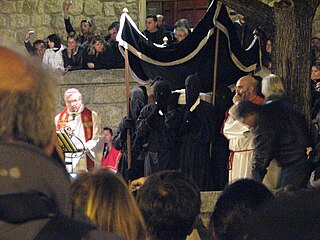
73	36
154	17
54	38
245	108
86	21
39	42
110	130
237	202
170	202
115	25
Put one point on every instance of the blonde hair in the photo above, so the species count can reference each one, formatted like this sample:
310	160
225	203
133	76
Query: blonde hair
107	201
28	102
96	38
272	85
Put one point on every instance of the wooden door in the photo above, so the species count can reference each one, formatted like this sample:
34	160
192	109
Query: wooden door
173	10
193	10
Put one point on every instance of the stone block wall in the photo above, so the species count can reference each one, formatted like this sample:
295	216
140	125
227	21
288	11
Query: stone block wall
46	16
103	91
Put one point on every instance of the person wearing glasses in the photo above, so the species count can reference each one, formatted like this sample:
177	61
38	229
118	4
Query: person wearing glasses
83	124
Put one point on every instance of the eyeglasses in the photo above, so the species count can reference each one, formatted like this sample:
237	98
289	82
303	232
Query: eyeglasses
73	101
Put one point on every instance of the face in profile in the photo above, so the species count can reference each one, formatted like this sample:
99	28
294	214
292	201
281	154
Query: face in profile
243	90
315	73
50	44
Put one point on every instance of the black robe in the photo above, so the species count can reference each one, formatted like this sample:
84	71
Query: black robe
138	99
195	136
155	142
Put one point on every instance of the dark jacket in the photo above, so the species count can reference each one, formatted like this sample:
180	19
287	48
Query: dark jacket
157	37
76	60
155	139
26	169
280	133
70	30
104	60
118	58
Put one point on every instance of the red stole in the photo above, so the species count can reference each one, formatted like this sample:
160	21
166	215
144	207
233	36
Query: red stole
111	161
86	119
257	100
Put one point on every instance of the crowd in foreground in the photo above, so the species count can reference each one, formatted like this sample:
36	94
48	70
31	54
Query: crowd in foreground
38	201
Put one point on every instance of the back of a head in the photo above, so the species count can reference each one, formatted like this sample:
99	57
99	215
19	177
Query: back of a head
27	94
170	202
289	216
107	201
272	86
245	108
234	205
138	99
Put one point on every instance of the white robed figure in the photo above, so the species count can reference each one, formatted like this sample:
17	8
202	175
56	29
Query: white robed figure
240	138
84	125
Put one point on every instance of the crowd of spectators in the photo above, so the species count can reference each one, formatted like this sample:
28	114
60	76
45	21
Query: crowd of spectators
99	204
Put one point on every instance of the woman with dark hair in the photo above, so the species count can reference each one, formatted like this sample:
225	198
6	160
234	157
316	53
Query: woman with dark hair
53	55
72	55
99	55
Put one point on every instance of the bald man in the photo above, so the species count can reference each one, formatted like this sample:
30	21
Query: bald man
85	125
238	134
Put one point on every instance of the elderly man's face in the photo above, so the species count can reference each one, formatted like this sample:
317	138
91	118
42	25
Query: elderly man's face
242	89
74	102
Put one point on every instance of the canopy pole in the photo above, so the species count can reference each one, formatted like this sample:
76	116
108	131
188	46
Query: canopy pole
215	68
128	105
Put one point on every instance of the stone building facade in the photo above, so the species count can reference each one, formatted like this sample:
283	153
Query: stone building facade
46	16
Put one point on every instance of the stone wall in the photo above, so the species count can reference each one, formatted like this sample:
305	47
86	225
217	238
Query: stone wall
104	91
46	16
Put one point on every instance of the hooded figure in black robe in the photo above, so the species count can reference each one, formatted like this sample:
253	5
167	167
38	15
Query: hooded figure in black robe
154	137
195	136
138	99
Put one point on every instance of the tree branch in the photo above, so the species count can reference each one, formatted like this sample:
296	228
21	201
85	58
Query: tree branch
257	13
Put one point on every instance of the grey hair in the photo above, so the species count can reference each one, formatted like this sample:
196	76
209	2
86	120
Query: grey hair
180	29
272	85
28	111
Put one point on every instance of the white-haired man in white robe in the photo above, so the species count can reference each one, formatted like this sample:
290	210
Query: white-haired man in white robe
85	125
